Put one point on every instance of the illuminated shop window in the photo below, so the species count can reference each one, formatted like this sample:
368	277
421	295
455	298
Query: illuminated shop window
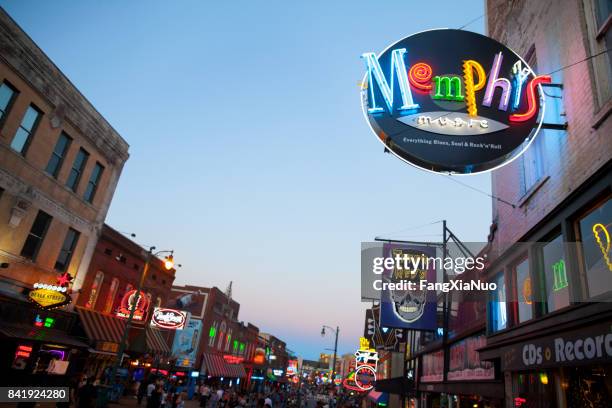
112	293
228	340
497	307
595	231
524	287
95	288
556	282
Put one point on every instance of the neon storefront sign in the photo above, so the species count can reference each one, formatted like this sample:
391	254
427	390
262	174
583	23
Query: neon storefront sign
142	305
366	362
168	318
452	101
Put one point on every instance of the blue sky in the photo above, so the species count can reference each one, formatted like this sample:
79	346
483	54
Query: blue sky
249	152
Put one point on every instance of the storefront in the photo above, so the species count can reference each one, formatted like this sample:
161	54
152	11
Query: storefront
39	346
555	350
218	370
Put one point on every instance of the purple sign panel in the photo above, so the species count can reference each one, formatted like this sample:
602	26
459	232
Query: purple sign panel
465	363
405	308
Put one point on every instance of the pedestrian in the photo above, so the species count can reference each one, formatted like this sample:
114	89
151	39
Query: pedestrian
87	394
155	398
178	401
204	395
142	391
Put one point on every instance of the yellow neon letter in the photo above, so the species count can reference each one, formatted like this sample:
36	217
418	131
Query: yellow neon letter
469	67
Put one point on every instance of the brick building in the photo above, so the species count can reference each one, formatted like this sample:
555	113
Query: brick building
548	326
60	162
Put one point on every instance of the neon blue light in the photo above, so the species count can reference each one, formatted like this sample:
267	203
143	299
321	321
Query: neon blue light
397	67
520	75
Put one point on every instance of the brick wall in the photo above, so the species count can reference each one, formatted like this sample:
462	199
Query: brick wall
557	29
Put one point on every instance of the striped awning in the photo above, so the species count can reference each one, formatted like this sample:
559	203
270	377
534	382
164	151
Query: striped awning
101	327
156	342
215	366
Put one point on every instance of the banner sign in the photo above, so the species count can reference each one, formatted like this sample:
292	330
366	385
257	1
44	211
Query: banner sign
409	309
452	101
465	363
186	342
171	319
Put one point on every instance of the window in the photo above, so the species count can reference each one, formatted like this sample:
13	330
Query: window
595	230
36	235
597	13
95	289
58	154
94	180
77	169
211	334
228	340
65	255
556	284
524	291
7	97
23	137
158	302
112	292
497	311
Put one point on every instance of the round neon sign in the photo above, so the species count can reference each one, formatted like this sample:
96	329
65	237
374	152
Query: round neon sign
452	101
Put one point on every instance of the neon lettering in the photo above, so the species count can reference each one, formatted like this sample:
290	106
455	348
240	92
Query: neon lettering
519	77
420	76
559	276
452	86
397	67
469	67
495	82
531	99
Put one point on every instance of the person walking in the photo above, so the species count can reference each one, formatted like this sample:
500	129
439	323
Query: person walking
87	395
155	399
204	395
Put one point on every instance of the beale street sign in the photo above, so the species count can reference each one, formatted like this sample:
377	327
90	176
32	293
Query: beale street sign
452	101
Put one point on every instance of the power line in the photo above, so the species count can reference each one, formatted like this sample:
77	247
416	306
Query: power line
501	200
471	21
578	62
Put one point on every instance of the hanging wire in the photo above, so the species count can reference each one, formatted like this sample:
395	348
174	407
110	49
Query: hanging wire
412	228
581	61
471	21
501	200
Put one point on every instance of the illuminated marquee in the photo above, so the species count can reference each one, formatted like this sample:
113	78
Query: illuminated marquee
47	296
452	101
168	318
126	305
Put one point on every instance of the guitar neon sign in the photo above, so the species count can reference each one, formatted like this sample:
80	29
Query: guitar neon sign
452	101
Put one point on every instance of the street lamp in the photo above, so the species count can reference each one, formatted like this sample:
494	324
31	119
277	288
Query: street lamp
168	264
336	331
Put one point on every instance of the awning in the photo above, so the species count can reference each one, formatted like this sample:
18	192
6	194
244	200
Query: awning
379	397
216	366
101	327
397	385
156	343
41	334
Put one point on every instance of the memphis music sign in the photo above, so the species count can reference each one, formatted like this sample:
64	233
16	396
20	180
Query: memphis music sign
452	101
168	318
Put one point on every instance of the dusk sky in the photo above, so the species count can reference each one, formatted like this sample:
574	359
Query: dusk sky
250	156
